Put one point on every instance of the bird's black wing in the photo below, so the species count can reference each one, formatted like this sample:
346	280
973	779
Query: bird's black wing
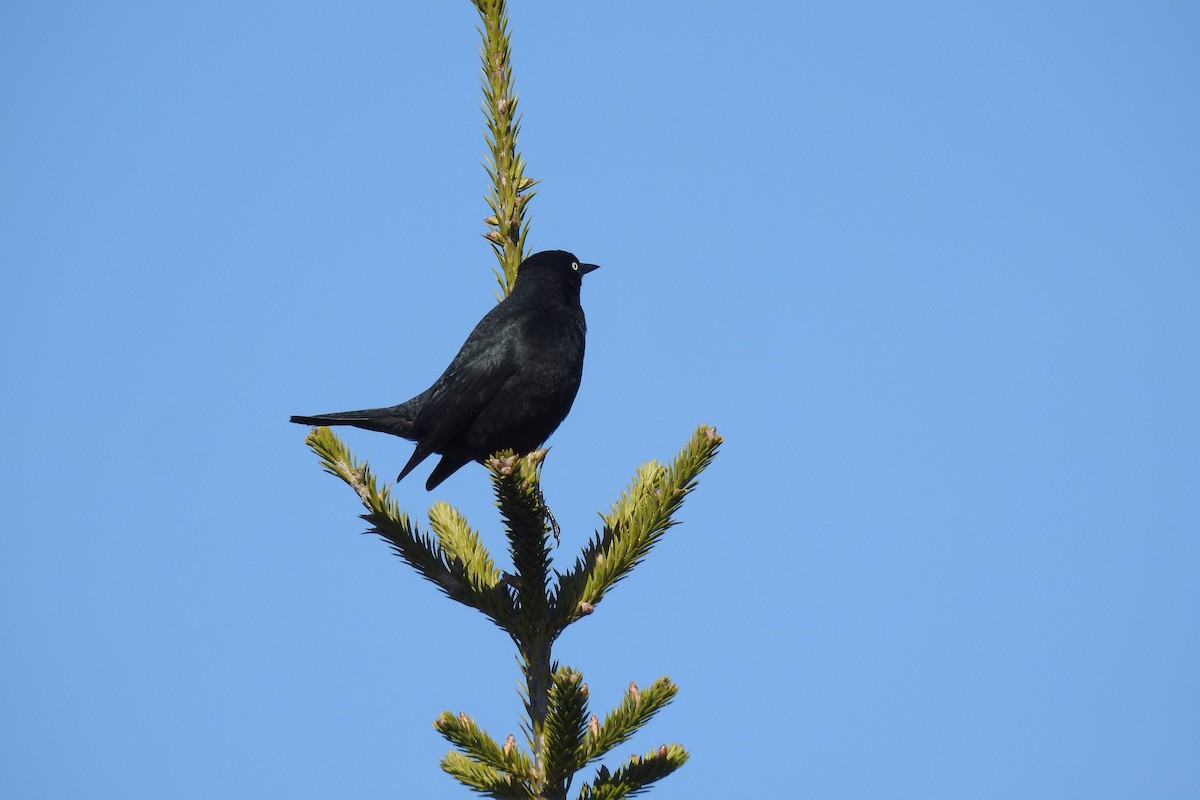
460	394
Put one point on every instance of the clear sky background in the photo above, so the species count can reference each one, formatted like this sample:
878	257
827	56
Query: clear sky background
932	269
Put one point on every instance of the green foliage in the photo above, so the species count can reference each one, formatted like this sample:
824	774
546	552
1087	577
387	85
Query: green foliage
533	609
510	189
516	483
461	543
636	775
446	570
484	765
635	710
566	727
632	526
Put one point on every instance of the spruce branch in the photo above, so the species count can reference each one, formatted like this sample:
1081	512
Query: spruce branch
445	570
484	779
636	709
493	767
633	525
510	189
462	543
636	775
566	729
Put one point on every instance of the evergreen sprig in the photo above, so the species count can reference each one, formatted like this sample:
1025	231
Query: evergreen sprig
461	543
635	710
492	767
428	558
633	525
485	780
566	727
510	189
636	775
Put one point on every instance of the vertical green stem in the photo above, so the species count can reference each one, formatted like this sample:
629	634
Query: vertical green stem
519	499
507	226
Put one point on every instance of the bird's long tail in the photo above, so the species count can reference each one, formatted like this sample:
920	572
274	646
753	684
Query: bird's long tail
396	420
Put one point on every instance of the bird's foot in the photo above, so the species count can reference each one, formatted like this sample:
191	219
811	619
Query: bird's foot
557	531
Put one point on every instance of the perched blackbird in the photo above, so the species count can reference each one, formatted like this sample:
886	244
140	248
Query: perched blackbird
510	385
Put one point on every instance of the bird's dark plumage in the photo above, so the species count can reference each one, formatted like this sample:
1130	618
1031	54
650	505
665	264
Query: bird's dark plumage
510	385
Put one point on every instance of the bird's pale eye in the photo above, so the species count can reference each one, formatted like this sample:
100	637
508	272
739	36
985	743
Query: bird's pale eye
575	266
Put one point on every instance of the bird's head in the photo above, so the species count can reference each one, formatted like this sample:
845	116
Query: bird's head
553	268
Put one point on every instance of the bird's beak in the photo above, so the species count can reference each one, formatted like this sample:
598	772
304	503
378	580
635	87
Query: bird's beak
584	269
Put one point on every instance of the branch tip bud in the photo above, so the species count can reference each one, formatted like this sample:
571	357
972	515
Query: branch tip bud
503	464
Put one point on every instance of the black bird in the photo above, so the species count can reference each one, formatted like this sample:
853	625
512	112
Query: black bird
510	385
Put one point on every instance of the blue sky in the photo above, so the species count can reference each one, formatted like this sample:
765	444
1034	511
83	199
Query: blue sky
932	269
